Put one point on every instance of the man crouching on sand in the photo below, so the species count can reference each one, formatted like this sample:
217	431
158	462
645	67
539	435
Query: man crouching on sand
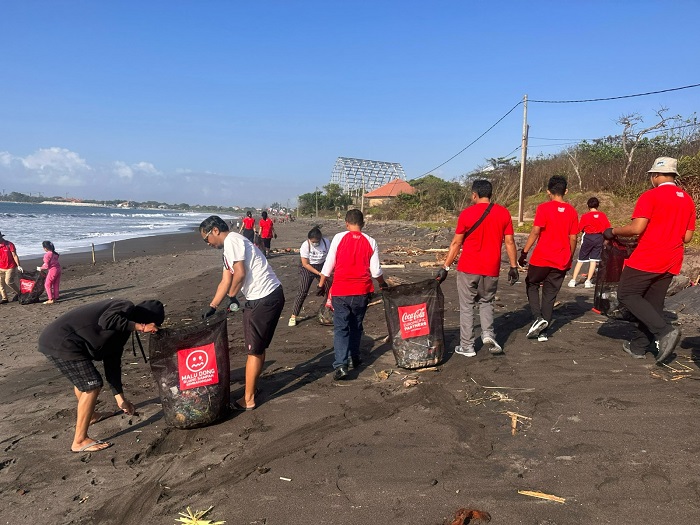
96	332
246	270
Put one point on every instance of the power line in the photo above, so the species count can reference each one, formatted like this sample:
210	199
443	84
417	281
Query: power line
656	131
472	142
614	98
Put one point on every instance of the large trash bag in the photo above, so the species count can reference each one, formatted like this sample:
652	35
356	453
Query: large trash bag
31	284
191	365
612	262
414	316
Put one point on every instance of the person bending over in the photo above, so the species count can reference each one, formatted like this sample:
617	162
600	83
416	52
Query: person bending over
313	254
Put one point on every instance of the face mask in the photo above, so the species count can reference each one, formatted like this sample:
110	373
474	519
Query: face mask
315	244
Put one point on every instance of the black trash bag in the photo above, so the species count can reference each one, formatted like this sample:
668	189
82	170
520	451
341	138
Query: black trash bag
325	313
612	262
414	316
191	366
31	284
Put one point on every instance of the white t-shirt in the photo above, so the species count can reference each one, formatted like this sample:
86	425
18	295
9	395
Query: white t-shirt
260	280
315	254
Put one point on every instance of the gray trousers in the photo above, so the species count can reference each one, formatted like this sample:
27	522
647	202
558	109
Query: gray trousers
9	280
475	289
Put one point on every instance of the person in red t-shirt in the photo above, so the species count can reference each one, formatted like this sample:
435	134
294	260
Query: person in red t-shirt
248	227
10	270
353	259
592	225
480	264
664	219
267	231
554	230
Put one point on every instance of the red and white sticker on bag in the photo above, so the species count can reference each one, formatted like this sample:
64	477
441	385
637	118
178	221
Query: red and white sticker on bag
414	320
26	285
197	367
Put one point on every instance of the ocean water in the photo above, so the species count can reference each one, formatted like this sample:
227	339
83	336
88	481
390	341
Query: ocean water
75	228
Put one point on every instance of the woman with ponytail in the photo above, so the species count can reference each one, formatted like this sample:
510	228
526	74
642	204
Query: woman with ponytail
53	274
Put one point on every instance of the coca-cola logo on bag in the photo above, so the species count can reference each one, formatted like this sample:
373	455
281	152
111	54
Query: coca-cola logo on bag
414	320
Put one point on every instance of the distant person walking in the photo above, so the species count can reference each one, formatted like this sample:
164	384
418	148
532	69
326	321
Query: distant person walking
592	225
10	270
352	260
247	271
664	218
267	231
96	332
481	231
555	230
313	254
248	227
53	272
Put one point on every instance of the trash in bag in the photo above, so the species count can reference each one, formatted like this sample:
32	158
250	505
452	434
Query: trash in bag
31	284
191	366
325	313
414	316
612	262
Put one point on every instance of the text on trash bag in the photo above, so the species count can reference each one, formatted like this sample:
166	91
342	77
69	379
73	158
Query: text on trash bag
414	320
197	367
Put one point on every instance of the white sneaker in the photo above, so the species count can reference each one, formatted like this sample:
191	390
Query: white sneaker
538	326
588	284
542	338
292	321
468	351
492	345
572	283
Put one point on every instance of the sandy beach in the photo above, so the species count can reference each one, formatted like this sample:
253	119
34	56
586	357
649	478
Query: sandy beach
615	437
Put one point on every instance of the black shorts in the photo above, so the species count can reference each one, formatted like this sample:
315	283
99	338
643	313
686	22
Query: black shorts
260	319
249	234
82	373
591	247
266	243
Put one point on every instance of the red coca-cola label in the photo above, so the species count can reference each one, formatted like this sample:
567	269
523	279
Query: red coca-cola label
26	285
414	320
197	367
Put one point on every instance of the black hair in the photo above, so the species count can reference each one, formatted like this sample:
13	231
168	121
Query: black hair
48	245
146	312
315	233
248	214
482	188
355	218
264	215
557	185
593	203
213	221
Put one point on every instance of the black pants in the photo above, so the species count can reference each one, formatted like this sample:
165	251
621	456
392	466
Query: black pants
305	280
643	294
551	280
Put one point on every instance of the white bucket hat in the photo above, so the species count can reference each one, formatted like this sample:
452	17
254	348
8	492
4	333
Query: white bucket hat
665	165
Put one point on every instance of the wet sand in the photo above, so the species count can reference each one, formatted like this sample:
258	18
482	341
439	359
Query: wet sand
614	436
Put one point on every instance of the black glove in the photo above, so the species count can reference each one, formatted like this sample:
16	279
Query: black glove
523	258
275	235
441	275
321	291
608	234
230	303
513	276
383	287
208	312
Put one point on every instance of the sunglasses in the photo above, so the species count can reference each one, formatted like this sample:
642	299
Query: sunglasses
207	236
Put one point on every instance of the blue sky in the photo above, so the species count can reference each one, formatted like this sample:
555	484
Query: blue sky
247	103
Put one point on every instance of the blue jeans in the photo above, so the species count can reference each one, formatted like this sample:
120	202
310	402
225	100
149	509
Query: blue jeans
348	313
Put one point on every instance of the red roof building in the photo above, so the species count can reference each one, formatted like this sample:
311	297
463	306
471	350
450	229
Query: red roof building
389	191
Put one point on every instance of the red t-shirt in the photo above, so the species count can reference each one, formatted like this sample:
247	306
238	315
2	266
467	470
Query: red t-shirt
265	228
248	223
481	251
593	222
558	220
671	212
7	262
353	259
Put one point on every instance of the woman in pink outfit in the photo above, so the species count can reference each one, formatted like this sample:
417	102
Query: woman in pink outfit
53	275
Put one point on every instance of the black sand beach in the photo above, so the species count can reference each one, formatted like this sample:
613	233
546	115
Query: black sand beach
613	436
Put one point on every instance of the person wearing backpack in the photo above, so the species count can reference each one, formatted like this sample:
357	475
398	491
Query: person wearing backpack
313	254
481	230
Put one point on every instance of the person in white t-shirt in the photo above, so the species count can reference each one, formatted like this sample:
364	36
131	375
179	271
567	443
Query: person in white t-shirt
246	270
313	254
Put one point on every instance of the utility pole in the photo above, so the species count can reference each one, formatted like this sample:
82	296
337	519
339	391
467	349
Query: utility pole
362	196
523	161
316	193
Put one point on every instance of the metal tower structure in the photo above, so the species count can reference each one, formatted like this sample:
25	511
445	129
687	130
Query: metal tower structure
359	176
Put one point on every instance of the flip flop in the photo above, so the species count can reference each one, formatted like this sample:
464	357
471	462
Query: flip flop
240	408
90	445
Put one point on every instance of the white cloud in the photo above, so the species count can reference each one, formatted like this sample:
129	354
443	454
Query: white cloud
55	159
126	171
6	159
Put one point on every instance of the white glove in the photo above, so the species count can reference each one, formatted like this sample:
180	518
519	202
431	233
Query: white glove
20	269
39	268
